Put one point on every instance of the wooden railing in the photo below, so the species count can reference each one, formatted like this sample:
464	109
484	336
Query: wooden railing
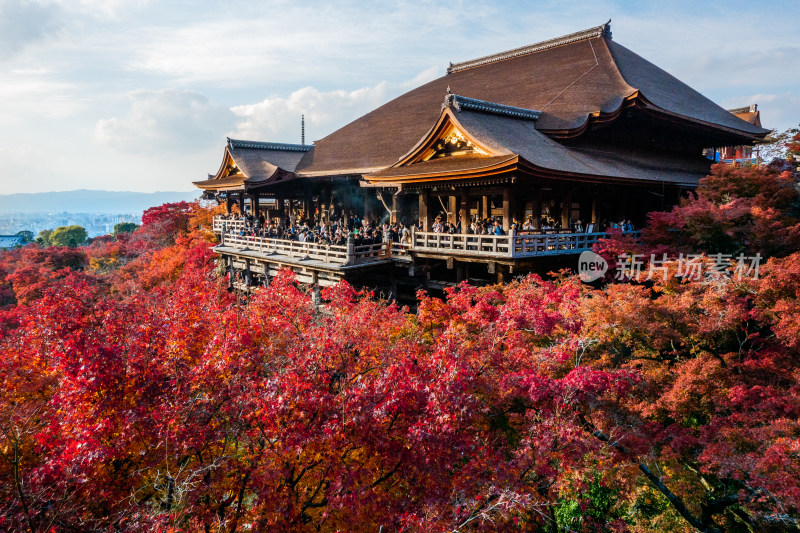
301	250
230	226
512	246
460	244
527	245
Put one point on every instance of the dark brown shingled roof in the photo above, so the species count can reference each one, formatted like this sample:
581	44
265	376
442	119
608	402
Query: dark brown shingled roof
232	182
569	80
667	93
509	136
260	163
444	165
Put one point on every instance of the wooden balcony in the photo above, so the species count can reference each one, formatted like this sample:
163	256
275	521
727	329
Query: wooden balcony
490	247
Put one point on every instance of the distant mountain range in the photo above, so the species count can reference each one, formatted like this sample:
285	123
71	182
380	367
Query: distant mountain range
86	201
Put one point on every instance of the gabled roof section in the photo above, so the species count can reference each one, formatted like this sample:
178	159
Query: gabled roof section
604	30
447	130
248	164
575	82
514	144
665	93
749	114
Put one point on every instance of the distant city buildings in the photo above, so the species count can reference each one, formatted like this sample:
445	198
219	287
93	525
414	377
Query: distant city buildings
96	224
10	241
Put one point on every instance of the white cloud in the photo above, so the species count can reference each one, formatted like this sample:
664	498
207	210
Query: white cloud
429	74
31	96
165	121
278	118
24	22
110	9
73	71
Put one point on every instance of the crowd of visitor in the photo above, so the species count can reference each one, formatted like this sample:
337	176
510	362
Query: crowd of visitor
336	230
332	232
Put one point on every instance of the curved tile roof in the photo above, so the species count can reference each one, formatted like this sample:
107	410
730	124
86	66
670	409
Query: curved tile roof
568	79
509	137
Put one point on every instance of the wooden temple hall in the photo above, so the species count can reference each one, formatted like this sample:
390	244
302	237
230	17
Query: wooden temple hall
564	137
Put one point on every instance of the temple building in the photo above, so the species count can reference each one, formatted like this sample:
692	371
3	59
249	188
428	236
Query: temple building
571	135
741	154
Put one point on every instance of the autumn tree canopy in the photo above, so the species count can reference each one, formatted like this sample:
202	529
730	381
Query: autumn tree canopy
140	394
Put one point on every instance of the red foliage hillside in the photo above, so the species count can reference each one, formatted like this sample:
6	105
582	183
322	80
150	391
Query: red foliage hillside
139	394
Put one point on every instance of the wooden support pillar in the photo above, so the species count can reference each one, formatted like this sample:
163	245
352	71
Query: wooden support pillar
425	210
452	209
566	210
507	208
228	203
484	207
279	210
368	206
241	203
254	207
316	297
394	217
594	208
537	208
463	210
308	203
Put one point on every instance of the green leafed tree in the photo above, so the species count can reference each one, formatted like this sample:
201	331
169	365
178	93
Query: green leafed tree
27	236
71	236
125	227
44	237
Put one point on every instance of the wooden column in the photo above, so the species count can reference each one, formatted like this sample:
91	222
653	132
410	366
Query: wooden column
368	205
308	206
507	208
394	209
537	207
279	212
452	208
566	210
241	203
228	203
594	208
484	207
424	210
254	205
463	210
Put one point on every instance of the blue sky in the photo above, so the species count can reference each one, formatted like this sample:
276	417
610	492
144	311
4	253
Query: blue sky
140	95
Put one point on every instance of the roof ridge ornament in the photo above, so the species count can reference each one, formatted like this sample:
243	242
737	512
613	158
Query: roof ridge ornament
604	30
460	103
258	145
